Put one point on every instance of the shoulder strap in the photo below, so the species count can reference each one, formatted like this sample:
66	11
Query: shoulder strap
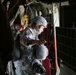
31	31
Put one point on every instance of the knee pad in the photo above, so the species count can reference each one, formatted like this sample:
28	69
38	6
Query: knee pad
41	52
16	54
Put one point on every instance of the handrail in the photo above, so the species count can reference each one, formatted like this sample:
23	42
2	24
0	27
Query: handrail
13	6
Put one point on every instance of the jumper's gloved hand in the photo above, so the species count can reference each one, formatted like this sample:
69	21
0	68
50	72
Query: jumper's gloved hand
42	41
35	42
